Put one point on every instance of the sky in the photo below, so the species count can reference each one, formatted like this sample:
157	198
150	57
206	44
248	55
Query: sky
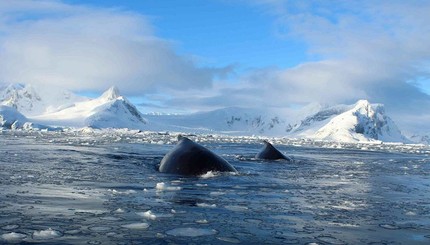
192	55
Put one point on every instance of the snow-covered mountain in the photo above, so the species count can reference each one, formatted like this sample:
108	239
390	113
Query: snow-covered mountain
357	123
315	120
30	100
421	139
115	111
360	122
110	110
10	118
232	120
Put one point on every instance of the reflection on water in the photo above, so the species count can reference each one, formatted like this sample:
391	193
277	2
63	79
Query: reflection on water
64	189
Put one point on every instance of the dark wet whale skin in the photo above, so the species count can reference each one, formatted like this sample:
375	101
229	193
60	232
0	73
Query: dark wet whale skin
269	152
190	158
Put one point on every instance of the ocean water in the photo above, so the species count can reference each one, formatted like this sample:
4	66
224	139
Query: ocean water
104	188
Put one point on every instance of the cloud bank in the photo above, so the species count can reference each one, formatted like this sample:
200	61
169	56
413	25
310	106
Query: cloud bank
86	48
375	50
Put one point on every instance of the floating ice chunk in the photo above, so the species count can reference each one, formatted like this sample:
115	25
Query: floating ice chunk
127	192
119	210
148	215
46	234
206	205
136	226
202	221
13	237
236	208
173	211
163	187
191	232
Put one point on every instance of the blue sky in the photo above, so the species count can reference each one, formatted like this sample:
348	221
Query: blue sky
219	33
191	55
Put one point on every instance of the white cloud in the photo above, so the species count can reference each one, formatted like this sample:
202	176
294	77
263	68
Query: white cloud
373	50
87	48
365	49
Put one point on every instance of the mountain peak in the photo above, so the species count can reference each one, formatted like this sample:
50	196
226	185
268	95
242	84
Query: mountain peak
364	122
111	94
362	104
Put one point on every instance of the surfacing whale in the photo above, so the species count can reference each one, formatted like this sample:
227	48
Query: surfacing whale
190	158
269	152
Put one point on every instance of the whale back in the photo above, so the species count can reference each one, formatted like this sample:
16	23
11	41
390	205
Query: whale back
269	152
190	158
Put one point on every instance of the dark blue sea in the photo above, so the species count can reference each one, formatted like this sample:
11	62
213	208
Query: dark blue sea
104	188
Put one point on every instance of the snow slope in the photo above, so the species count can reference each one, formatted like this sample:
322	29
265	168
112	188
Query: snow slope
10	118
31	101
420	139
314	121
364	122
110	110
232	120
